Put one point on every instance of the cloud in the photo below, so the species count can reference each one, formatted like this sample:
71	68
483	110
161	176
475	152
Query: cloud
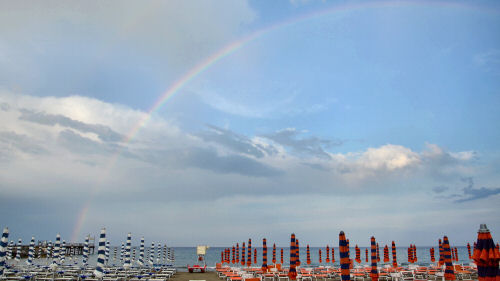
489	61
103	132
440	189
470	193
312	146
10	141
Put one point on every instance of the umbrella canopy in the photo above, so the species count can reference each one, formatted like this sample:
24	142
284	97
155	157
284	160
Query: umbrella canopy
282	262
374	271
274	253
308	255
344	257
99	272
319	253
158	256
386	254
249	257
222	256
62	254
264	255
233	259
31	251
18	251
255	256
327	256
333	254
441	254
358	254
456	254
394	257
237	253
431	250
55	252
141	253
410	255
297	248
414	251
449	273
243	248
486	256
453	258
366	254
292	273
107	252
128	246
468	250
378	253
3	249
151	254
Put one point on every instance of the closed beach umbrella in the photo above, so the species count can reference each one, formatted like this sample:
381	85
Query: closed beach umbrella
243	253
55	252
282	262
374	271
158	253
297	248
453	255
62	254
122	252
378	253
3	249
18	251
31	251
486	256
233	259
99	271
292	273
351	263
255	256
415	258
128	246
333	254
468	250
449	273
308	253
274	254
344	258
85	251
151	254
249	256
107	252
237	253
264	255
431	250
358	254
327	257
366	254
320	260
410	255
441	254
114	253
456	254
394	257
386	254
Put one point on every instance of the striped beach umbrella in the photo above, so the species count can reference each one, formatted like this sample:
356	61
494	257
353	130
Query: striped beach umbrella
122	252
282	261
243	253
410	255
158	253
31	251
85	251
237	253
107	252
374	271
441	254
297	248
344	258
449	273
10	250
128	246
468	250
233	260
115	250
351	263
249	256
486	256
151	254
49	250
327	257
274	253
62	254
101	251
358	254
333	254
414	251
431	250
320	260
264	255
141	253
378	253
453	258
394	257
3	249
18	251
55	252
292	272
386	254
456	254
308	253
255	256
366	255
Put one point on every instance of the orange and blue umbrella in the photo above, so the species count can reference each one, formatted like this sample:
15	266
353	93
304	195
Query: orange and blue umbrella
378	253
441	254
374	271
358	254
243	253
264	255
255	256
431	250
327	258
410	254
274	253
453	258
298	251
394	257
415	258
366	254
233	260
349	254
281	255
320	259
386	254
308	253
249	257
333	254
449	273
237	253
486	256
292	272
344	258
468	250
456	254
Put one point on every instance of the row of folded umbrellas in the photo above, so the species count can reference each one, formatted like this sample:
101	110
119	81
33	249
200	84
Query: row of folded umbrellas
57	252
485	255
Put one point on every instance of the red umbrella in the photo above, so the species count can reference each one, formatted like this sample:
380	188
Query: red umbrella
308	253
344	258
378	253
374	271
282	256
333	254
441	254
327	257
410	255
255	256
237	253
431	250
249	256
298	251
274	253
292	273
486	256
415	258
264	255
243	254
449	273
320	260
468	250
366	254
222	256
233	260
394	257
386	254
358	254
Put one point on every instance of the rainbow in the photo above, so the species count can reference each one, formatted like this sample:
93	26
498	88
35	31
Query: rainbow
233	47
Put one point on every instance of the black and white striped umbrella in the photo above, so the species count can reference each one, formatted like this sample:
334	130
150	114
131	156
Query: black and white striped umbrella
18	252
85	251
101	255
62	254
122	253
141	253
107	253
49	250
114	254
31	251
152	253
165	253
158	256
3	249
55	252
127	264
9	250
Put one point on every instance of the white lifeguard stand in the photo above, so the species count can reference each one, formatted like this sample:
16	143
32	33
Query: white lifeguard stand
201	251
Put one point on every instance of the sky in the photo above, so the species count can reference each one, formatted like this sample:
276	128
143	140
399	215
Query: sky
211	122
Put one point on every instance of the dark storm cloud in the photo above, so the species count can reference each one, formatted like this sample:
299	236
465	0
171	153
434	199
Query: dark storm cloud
103	132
